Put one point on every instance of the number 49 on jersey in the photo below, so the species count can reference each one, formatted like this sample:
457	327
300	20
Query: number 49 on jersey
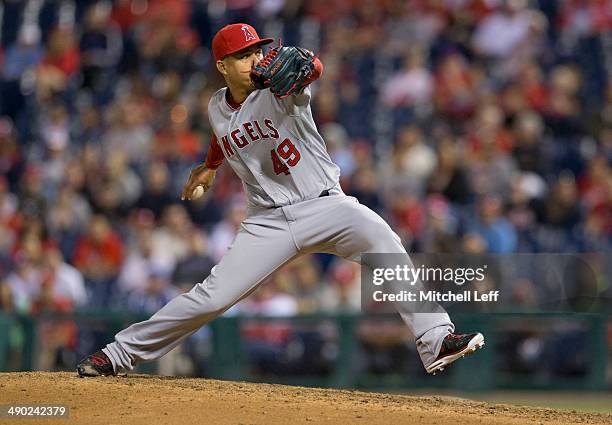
287	151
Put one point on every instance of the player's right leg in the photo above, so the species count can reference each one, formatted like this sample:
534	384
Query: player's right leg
263	244
341	225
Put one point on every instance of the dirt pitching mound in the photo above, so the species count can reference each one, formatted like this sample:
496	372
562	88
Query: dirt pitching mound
151	400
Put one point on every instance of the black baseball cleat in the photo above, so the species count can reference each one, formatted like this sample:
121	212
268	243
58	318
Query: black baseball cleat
96	364
454	347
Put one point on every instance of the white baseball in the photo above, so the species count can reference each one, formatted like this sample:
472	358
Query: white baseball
197	192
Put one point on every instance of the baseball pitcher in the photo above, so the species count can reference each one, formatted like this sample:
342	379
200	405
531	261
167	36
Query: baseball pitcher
264	129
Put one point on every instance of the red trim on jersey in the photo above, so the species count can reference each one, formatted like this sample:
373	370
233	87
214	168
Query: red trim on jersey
230	101
215	157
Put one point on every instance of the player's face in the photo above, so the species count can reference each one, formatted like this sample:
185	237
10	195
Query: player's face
238	66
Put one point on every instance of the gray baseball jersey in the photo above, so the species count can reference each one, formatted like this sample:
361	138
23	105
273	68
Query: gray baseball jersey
274	147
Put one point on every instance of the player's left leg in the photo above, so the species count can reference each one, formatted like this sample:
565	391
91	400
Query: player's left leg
262	244
341	225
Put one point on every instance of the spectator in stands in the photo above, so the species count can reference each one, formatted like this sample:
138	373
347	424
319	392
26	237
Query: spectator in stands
412	160
303	283
440	232
60	63
408	216
177	141
89	128
99	255
525	190
342	291
491	170
24	55
22	284
12	162
63	287
141	259
55	132
156	195
124	179
364	185
488	131
17	69
412	85
171	239
68	218
197	263
32	201
500	33
564	110
561	208
337	140
529	143
101	47
596	194
130	129
7	240
8	202
450	177
75	176
455	88
534	87
157	293
497	233
271	299
223	233
512	36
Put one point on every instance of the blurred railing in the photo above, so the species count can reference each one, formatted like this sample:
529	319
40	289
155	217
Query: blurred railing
229	359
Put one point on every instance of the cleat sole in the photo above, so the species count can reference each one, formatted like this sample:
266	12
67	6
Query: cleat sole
474	345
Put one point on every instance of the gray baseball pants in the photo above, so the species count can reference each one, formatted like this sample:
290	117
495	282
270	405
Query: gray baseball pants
268	239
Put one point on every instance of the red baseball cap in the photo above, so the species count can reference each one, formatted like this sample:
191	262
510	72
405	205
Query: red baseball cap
235	37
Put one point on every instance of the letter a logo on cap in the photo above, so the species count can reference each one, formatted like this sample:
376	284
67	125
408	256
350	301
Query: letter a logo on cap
235	37
248	36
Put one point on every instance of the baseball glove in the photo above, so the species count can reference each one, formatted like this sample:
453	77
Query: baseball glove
285	70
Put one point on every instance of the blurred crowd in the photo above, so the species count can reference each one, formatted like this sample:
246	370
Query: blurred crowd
477	126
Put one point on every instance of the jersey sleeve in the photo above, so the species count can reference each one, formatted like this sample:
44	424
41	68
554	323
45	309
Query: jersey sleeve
215	157
302	99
